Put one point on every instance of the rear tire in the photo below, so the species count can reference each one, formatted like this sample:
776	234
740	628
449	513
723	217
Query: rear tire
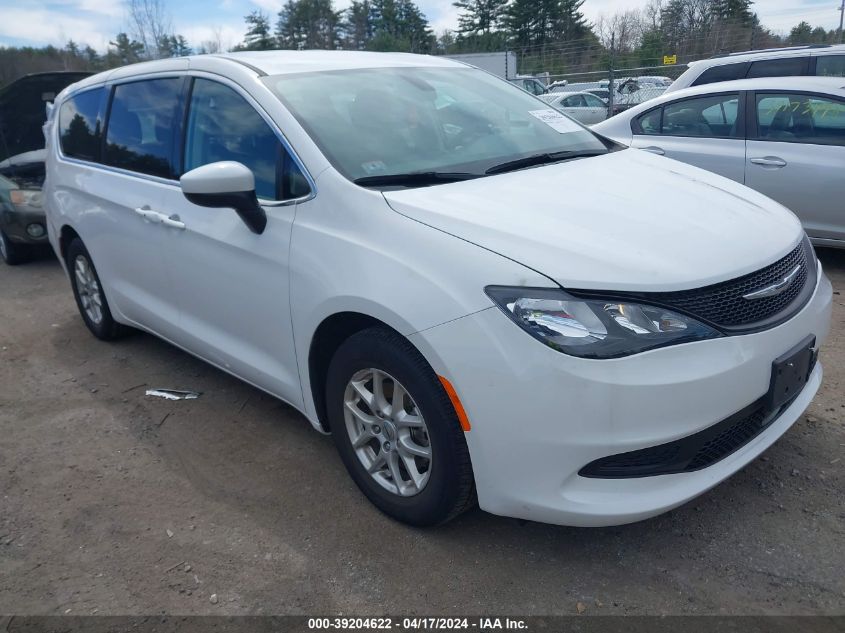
89	295
13	254
394	426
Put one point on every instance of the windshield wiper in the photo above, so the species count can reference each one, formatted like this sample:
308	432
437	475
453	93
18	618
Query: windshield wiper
414	179
542	159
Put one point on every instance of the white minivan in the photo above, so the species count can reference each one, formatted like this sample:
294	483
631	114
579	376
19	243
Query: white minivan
444	273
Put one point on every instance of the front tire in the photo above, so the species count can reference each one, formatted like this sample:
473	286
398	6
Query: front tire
89	295
396	429
13	254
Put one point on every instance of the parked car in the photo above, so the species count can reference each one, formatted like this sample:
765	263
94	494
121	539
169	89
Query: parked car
584	107
784	137
22	113
630	93
823	60
453	291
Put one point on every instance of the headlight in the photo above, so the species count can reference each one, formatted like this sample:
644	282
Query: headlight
595	328
26	197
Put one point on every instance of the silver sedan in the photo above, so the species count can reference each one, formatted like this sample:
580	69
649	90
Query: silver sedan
783	136
584	107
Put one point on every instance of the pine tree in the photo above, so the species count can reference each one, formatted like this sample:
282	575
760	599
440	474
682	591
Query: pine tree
520	21
479	17
125	51
736	11
399	25
357	25
258	37
308	24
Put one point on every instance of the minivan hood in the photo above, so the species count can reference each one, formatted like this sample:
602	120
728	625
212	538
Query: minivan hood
627	220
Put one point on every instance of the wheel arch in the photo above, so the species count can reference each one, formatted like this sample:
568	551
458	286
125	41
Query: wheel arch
332	331
66	235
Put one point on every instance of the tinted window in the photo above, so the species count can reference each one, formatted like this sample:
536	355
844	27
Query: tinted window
650	121
705	116
143	124
830	66
725	72
223	126
785	67
80	124
801	119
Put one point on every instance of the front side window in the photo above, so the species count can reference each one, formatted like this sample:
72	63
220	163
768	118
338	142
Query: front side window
714	116
223	126
830	66
375	122
80	124
143	126
784	67
800	119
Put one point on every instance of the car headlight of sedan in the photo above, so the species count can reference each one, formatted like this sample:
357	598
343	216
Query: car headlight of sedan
594	327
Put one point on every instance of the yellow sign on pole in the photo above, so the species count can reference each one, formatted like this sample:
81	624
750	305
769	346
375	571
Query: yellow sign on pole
670	59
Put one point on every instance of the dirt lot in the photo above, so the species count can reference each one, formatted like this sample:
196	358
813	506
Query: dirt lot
115	503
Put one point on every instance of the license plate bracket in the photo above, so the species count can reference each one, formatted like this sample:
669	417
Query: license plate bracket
790	373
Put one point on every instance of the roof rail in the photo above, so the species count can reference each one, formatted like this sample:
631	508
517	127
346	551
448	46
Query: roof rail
771	50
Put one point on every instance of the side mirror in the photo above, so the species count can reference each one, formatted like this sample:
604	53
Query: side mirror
226	184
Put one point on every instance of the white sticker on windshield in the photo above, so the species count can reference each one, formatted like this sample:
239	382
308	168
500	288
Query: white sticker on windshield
555	120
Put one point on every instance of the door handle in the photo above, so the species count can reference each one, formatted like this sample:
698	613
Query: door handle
172	221
654	150
769	161
149	214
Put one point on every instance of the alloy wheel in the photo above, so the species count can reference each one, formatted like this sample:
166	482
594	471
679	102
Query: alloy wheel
88	289
388	432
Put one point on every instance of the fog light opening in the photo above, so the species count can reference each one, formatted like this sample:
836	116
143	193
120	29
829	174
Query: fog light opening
35	230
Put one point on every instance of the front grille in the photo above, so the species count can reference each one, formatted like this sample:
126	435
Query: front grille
690	453
723	305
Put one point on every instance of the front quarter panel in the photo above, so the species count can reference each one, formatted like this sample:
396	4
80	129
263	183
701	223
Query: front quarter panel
350	252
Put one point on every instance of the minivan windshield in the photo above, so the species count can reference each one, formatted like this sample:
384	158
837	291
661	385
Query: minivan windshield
432	124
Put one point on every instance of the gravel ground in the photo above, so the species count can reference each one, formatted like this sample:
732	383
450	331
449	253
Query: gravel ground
115	503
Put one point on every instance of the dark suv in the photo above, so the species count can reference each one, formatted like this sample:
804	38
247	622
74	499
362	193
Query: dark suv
22	115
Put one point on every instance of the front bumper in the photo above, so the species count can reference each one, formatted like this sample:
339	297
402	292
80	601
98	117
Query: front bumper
14	223
538	416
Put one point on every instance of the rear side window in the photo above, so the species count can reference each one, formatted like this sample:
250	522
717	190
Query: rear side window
830	66
143	125
222	125
725	72
798	118
81	123
784	67
649	123
713	117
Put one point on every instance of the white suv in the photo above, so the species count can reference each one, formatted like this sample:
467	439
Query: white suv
427	262
822	60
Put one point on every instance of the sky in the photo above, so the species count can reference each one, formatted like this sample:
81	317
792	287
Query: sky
94	22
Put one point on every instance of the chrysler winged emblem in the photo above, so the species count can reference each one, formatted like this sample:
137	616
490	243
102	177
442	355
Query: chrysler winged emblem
775	289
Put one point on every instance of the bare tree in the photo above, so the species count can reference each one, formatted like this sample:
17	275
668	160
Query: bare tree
626	27
149	22
651	14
